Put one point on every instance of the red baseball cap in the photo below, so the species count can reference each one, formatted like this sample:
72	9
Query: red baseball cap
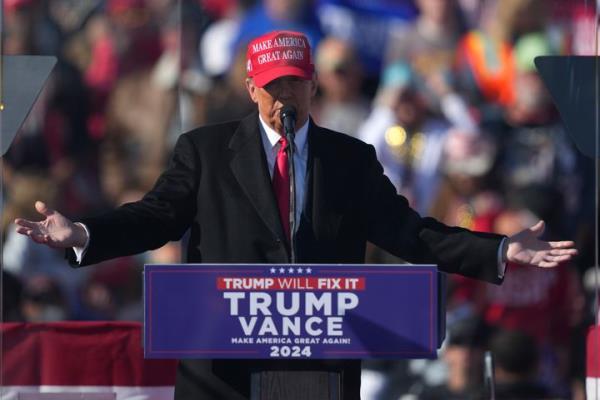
277	54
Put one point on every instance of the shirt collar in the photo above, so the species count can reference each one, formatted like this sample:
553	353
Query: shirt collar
273	136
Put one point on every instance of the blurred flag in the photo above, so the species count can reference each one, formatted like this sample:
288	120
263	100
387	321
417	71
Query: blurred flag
592	380
83	360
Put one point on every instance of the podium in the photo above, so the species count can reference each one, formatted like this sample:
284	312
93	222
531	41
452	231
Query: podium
293	312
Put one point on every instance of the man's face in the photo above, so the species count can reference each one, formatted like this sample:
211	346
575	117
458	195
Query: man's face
284	91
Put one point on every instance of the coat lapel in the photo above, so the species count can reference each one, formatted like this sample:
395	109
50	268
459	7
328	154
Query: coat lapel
249	166
324	200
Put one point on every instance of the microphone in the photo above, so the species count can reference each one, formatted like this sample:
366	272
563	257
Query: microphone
288	119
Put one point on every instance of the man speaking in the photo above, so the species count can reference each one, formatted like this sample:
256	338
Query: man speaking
229	185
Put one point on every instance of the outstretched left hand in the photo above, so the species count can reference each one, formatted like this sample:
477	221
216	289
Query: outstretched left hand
526	248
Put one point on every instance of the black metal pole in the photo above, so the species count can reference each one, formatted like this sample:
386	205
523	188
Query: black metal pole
488	373
291	149
288	120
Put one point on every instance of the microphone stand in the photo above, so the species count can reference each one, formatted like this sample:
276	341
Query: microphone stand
290	135
288	119
488	372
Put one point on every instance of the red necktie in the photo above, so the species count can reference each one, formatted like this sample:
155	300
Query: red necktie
281	185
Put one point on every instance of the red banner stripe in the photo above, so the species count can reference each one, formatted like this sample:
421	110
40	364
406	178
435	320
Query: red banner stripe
291	283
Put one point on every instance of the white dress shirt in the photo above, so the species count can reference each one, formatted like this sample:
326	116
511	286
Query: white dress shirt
270	141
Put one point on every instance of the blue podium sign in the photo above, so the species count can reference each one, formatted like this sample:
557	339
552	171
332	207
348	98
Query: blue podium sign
262	311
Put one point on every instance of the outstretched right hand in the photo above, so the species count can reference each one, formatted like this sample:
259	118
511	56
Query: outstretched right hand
55	230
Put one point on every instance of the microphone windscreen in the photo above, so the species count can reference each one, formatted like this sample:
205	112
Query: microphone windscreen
288	112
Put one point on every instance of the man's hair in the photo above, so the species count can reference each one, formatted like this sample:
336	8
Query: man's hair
515	352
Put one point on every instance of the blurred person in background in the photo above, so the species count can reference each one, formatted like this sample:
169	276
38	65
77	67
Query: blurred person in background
12	297
62	96
96	54
117	39
142	107
217	50
483	71
61	23
515	364
485	68
462	355
457	374
514	18
366	25
222	65
43	300
113	291
227	98
414	134
98	301
135	33
531	103
537	148
550	306
18	30
341	105
408	138
272	15
468	187
472	11
55	136
468	196
429	44
126	36
183	25
217	63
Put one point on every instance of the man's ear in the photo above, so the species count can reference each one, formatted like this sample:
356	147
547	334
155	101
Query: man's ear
314	85
251	87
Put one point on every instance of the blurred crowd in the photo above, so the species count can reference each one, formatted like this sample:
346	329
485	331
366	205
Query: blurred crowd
446	90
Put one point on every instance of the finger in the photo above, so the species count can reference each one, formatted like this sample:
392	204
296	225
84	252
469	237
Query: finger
562	245
538	229
43	209
26	223
548	264
564	258
560	252
558	259
24	231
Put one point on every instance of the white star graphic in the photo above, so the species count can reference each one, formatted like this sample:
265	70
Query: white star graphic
291	270
308	270
273	270
299	270
281	270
